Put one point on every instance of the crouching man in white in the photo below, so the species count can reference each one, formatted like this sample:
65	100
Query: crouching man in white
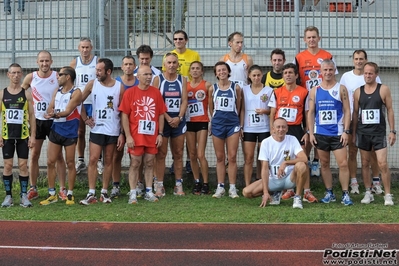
284	166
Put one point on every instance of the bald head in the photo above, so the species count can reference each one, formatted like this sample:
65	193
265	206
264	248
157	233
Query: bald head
143	69
144	75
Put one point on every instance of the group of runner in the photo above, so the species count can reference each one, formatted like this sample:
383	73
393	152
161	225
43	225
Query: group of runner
278	116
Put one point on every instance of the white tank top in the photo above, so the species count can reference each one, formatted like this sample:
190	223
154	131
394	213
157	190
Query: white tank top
42	92
85	73
253	122
105	108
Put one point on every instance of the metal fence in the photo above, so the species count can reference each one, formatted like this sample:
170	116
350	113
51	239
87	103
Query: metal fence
118	27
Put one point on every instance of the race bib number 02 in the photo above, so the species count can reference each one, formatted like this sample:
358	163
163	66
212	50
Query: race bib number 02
14	116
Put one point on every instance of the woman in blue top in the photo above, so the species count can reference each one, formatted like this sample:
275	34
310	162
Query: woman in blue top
225	126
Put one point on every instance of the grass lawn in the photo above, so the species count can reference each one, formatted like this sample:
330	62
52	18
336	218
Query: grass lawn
192	208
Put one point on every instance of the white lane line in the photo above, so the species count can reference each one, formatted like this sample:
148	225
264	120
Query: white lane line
163	250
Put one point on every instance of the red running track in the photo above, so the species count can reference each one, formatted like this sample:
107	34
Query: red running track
85	243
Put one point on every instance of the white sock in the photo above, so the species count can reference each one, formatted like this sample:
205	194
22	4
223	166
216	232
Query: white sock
353	180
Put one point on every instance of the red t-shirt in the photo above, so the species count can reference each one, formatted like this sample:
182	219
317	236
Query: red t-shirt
143	108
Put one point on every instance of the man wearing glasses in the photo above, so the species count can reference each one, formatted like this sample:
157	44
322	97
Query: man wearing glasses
64	108
186	57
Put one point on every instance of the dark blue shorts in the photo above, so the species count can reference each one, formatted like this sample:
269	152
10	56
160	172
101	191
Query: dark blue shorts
171	132
223	132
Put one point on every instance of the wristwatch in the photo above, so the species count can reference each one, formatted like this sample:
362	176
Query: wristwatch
393	131
347	131
181	118
160	133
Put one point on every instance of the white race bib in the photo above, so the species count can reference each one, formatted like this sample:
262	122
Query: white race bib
195	109
146	127
370	116
173	104
103	114
61	119
289	114
255	120
15	116
224	104
328	117
313	83
40	108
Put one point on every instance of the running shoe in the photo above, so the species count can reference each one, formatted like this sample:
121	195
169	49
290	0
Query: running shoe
309	197
388	200
8	202
100	167
329	197
346	199
315	169
276	198
178	191
205	189
104	198
115	192
288	194
368	197
219	192
197	188
159	191
80	166
233	193
24	201
188	167
355	188
50	199
150	197
377	189
297	203
32	194
63	194
140	190
90	199
132	199
70	200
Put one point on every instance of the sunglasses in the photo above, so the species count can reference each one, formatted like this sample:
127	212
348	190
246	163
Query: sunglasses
180	39
62	74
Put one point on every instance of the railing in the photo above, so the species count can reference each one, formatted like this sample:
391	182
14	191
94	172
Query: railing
118	27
